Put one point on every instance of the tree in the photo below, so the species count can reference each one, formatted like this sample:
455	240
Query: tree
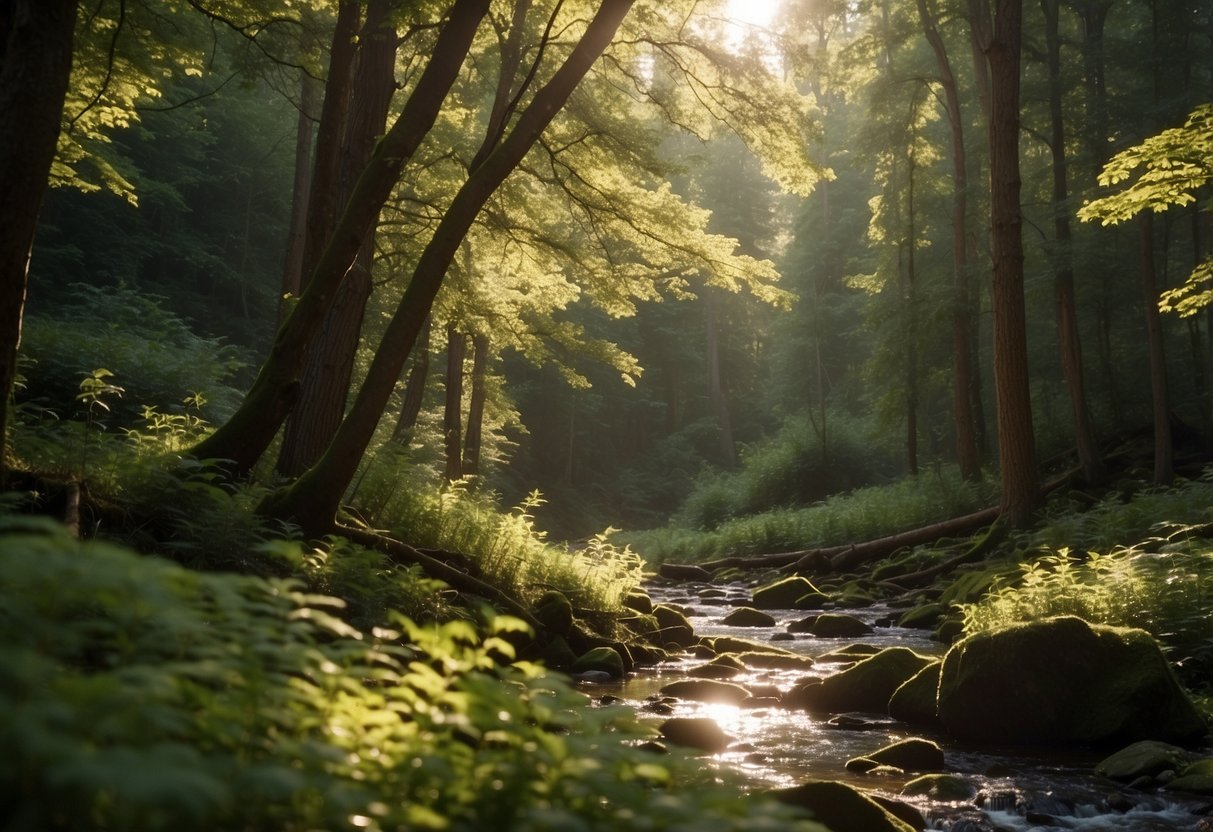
1000	41
244	437
36	38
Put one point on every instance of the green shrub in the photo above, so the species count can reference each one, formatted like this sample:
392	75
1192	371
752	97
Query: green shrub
138	695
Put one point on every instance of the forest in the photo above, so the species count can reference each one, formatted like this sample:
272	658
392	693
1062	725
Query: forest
619	415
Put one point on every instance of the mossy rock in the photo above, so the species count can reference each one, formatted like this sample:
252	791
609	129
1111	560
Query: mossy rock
783	595
850	653
811	601
914	701
775	661
557	653
734	644
860	765
911	754
1063	681
712	670
946	787
727	575
1145	758
902	811
554	612
646	655
675	628
695	732
707	690
667	616
1196	778
839	625
606	659
868	685
683	572
925	617
949	630
641	624
639	601
748	617
841	808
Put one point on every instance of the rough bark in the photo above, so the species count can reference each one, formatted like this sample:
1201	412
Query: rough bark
967	457
244	437
1069	342
474	436
1016	442
292	271
716	392
35	65
1164	461
325	382
315	496
452	415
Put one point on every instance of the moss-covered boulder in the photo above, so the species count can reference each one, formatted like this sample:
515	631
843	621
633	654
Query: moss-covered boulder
775	661
925	617
707	690
557	653
866	686
683	572
639	602
605	659
849	654
911	754
783	595
721	667
902	811
1145	758
695	732
1062	681
748	617
839	625
674	627
1196	778
554	612
914	702
841	808
946	787
733	644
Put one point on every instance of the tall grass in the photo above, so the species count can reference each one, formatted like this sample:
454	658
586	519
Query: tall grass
862	514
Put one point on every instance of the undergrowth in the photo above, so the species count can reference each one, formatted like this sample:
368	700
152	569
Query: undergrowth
139	695
863	514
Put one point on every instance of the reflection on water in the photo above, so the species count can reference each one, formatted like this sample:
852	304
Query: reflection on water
775	747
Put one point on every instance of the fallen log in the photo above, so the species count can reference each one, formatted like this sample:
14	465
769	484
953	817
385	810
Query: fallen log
861	553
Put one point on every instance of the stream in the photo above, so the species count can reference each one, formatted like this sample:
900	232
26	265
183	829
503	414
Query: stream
1018	789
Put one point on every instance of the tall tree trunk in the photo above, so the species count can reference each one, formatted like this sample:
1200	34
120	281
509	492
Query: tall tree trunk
1021	494
911	323
330	362
1069	343
967	456
292	271
1164	466
414	387
716	392
313	499
452	416
244	437
35	65
474	435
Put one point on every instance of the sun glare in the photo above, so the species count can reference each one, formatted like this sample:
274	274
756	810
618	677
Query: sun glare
752	12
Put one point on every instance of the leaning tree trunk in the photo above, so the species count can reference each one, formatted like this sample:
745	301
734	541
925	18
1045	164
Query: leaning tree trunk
330	361
1069	343
1016	443
35	66
244	437
313	499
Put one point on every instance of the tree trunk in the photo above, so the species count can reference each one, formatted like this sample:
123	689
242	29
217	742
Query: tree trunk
1069	343
1016	442
1164	466
967	456
452	417
716	392
315	496
911	323
414	387
330	363
475	430
292	272
244	437
35	65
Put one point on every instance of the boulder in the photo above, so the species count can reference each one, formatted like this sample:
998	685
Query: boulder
926	617
707	690
732	644
748	617
783	595
910	755
1063	681
555	612
1144	758
848	654
603	659
639	602
775	661
841	808
674	627
914	702
839	625
557	653
866	686
902	811
683	572
947	787
695	732
1196	778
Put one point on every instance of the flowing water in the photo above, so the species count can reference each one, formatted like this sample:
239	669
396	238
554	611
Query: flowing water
1017	789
